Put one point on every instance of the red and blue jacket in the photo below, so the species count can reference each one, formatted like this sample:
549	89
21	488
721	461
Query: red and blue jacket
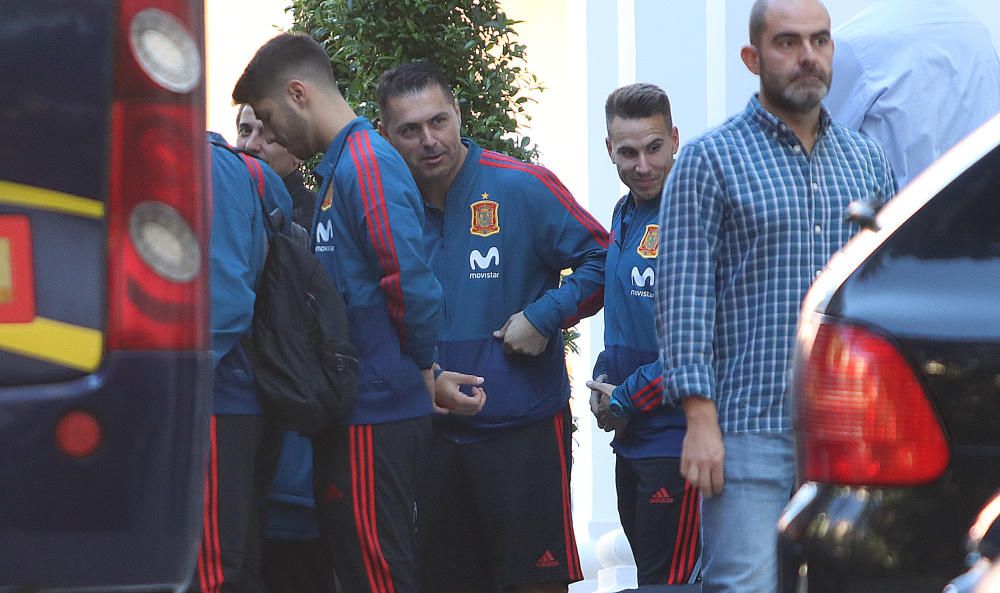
630	358
507	231
367	233
237	251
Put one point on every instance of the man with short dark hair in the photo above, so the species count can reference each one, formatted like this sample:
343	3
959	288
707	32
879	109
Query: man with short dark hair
657	507
494	508
291	557
368	236
238	248
752	212
250	137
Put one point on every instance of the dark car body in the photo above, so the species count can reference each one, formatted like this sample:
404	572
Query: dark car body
925	286
105	371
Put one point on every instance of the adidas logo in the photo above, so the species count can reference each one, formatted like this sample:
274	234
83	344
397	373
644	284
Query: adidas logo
661	496
546	560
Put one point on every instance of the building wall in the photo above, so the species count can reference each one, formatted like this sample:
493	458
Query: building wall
233	32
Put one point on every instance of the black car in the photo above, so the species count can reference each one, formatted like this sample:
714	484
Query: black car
896	387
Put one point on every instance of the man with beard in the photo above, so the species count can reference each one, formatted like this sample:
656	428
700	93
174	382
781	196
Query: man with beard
754	209
250	137
368	235
494	499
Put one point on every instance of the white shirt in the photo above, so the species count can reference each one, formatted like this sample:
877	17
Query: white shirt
915	75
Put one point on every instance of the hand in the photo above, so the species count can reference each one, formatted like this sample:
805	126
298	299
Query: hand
595	398
520	337
428	377
703	452
448	399
605	419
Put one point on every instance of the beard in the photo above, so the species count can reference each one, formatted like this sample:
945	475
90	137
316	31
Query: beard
799	94
297	134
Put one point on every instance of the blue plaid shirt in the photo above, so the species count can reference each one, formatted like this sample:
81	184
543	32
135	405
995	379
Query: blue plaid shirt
748	220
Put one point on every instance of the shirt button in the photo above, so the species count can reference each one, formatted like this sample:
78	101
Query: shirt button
818	272
818	229
797	148
774	134
815	187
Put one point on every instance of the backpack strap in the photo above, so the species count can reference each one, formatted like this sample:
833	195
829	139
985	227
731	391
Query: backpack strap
256	173
257	176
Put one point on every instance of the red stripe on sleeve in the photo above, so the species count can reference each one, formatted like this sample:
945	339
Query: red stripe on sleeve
586	308
646	398
377	220
495	159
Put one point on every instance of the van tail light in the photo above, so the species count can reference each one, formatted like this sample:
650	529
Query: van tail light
157	214
862	415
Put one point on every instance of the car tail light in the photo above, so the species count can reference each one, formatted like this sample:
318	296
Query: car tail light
157	214
863	416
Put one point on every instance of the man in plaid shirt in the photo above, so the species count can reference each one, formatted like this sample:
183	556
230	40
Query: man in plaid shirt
750	215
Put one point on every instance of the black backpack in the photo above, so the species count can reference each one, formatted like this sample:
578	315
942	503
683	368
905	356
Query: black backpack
304	364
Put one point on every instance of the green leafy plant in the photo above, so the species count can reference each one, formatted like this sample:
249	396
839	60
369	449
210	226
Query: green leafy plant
473	42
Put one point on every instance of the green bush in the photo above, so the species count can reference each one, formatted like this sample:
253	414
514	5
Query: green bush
472	41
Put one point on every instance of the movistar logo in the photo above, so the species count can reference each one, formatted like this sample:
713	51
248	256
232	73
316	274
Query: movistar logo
478	261
646	278
324	231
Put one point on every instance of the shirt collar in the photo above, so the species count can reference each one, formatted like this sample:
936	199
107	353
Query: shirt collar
465	174
332	155
771	123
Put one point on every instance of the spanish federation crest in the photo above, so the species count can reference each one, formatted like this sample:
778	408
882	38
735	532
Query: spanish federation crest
328	198
485	217
649	247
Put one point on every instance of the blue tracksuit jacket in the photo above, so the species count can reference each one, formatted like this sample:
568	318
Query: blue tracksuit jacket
507	231
367	234
237	251
630	359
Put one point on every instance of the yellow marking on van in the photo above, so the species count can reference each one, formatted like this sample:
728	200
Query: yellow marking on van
30	196
53	341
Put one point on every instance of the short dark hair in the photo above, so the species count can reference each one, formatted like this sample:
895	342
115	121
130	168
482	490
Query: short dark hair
637	101
409	78
282	58
758	16
239	114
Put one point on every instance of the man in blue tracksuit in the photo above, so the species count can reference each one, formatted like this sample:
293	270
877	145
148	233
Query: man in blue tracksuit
493	506
657	507
367	233
291	554
237	252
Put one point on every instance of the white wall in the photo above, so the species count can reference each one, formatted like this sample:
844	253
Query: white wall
233	32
